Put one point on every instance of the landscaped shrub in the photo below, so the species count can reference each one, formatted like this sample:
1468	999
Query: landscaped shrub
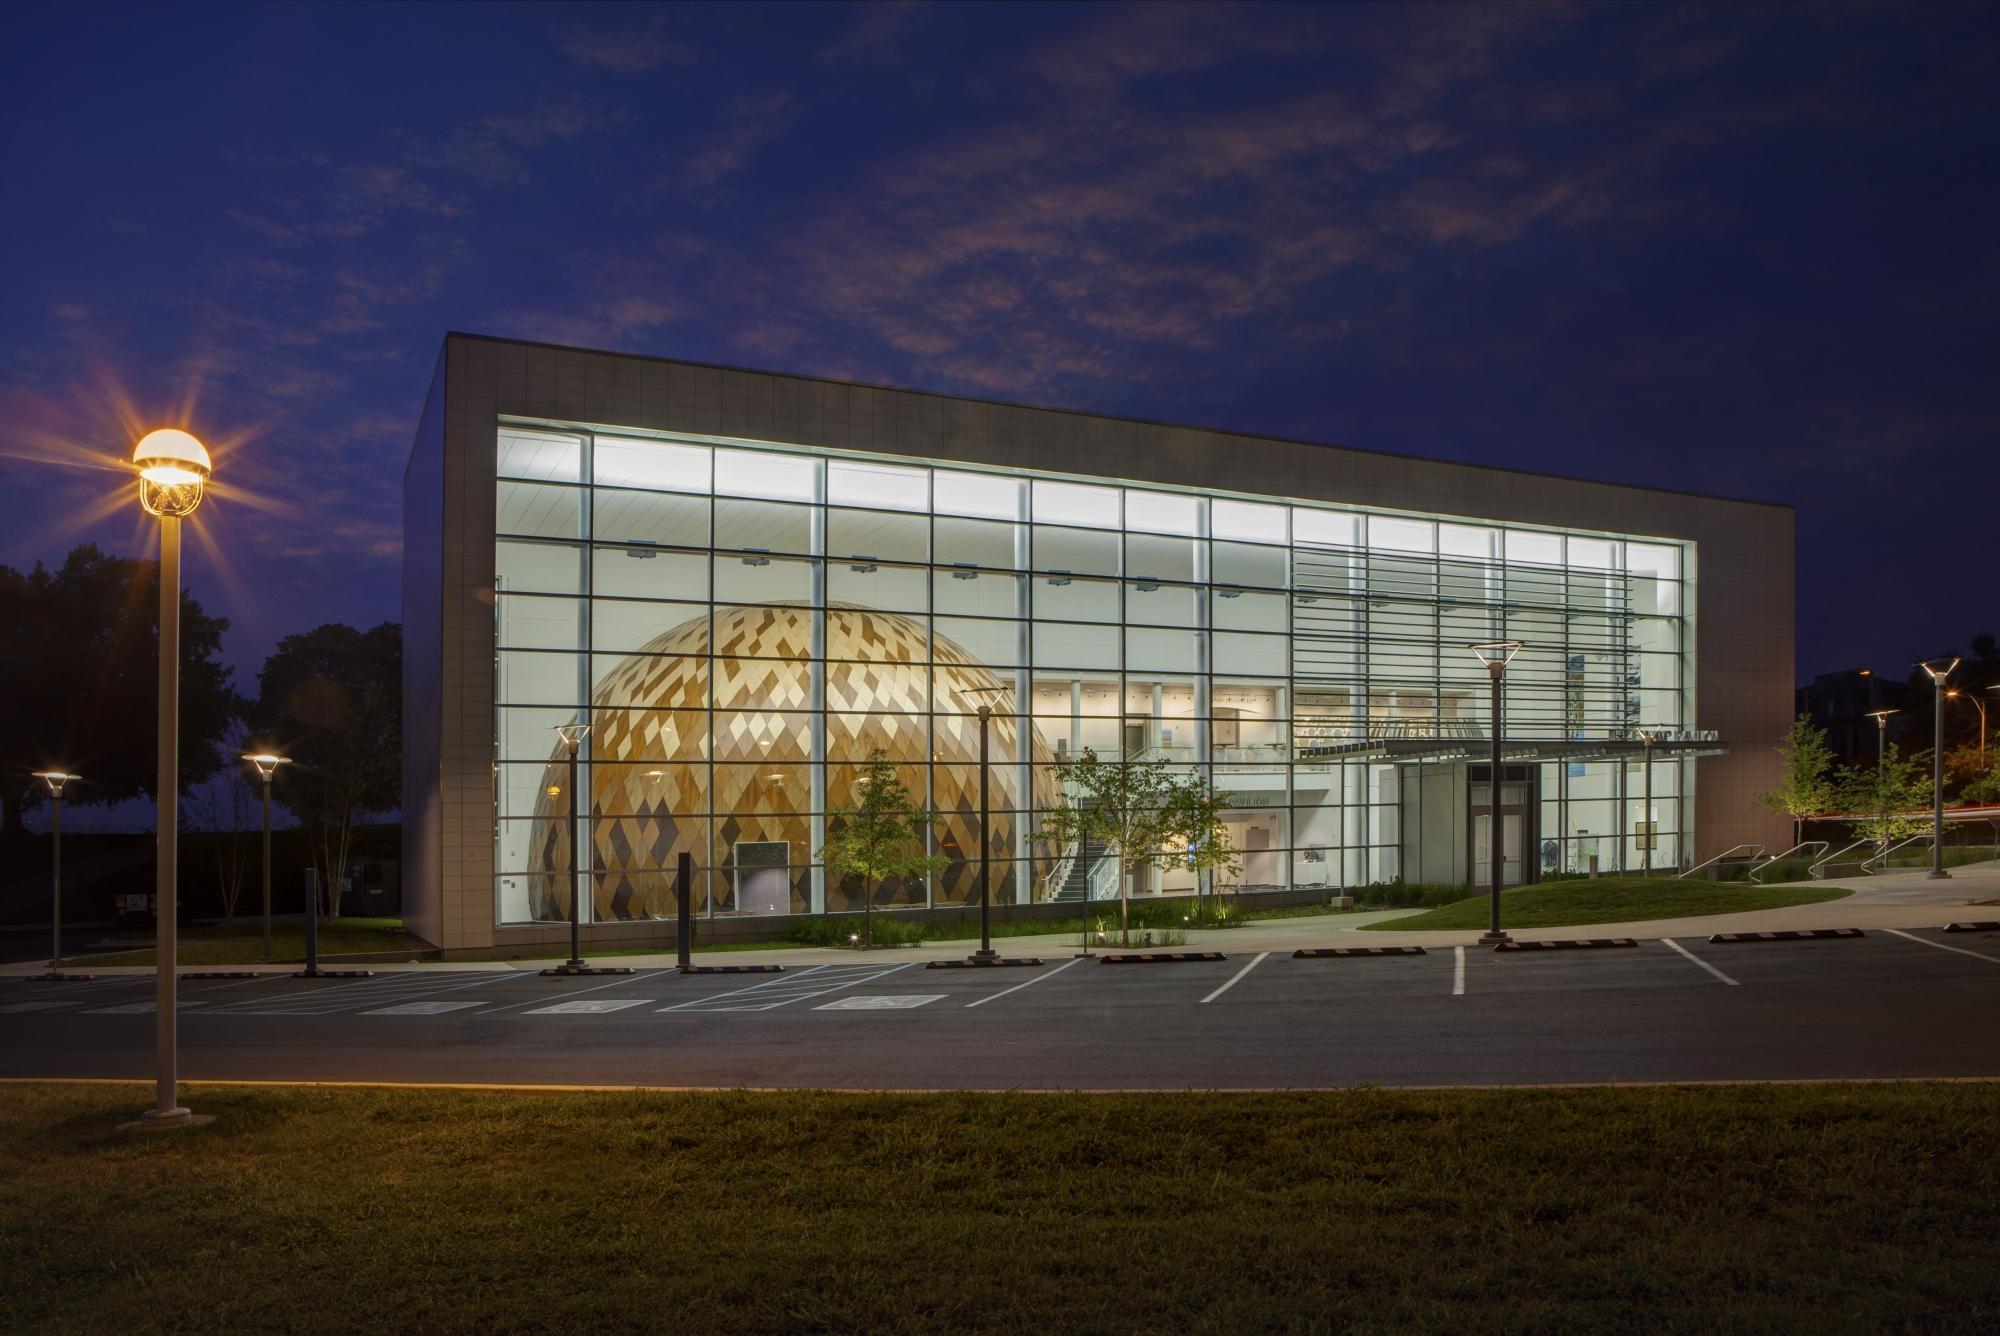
1400	894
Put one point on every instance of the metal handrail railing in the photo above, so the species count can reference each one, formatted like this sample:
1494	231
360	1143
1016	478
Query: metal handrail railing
1057	875
1881	860
1731	852
1820	845
1819	868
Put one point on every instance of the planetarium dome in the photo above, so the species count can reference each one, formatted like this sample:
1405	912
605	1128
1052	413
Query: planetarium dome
658	769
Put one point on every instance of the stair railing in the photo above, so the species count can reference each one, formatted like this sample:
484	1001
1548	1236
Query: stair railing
1756	872
1735	851
1819	869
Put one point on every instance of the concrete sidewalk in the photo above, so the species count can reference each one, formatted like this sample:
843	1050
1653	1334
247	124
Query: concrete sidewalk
1896	900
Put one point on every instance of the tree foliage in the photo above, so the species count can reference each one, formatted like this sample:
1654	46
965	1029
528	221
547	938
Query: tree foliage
1146	814
1891	801
331	699
1809	786
882	836
79	672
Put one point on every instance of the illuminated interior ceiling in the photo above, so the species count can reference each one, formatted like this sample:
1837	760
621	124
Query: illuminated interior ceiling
651	770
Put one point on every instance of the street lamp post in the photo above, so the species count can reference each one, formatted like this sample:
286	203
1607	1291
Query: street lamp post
572	735
1649	736
1496	655
172	468
985	954
267	765
55	779
1881	718
1939	676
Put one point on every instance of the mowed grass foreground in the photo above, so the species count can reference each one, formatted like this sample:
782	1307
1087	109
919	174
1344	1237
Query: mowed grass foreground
1736	1208
1556	904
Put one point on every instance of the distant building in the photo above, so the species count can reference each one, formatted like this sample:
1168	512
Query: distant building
1843	703
747	583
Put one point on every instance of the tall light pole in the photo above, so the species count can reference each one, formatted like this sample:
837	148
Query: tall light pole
986	954
1496	655
1939	676
572	735
1979	705
267	765
1649	735
55	779
172	467
1881	718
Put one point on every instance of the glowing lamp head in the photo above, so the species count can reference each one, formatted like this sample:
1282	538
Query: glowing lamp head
1496	654
55	779
266	763
172	467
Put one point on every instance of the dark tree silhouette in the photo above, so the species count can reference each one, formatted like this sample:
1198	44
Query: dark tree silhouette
79	675
331	699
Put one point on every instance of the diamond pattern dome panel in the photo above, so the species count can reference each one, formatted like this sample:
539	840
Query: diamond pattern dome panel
660	769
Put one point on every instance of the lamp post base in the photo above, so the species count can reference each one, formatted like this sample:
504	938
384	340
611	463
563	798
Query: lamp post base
1493	938
168	1120
1937	874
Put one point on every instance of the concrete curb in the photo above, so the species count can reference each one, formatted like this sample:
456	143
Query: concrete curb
1983	925
1568	944
974	963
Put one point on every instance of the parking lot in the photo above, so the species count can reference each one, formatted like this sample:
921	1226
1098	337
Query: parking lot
1891	1003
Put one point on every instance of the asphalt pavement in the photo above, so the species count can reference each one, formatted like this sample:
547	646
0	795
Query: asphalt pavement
1896	1002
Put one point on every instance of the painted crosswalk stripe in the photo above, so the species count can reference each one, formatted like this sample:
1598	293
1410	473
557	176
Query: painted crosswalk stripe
1458	971
420	1008
43	1004
591	1006
358	996
784	992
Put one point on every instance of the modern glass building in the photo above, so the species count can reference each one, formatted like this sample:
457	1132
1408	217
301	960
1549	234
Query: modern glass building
747	585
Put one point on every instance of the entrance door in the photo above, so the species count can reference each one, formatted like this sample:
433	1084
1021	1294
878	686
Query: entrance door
1516	797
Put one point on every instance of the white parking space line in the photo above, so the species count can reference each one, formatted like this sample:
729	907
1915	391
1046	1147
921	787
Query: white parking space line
619	982
139	1008
597	1006
420	1009
1458	971
358	996
1671	944
1234	977
43	1004
770	997
995	997
780	981
1955	950
883	1002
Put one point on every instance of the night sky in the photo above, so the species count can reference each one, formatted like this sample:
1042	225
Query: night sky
1751	250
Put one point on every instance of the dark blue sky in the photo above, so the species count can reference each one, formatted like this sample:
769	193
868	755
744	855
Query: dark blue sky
1738	249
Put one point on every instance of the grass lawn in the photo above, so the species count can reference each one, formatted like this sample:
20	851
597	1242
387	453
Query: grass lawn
1735	1208
242	942
1610	900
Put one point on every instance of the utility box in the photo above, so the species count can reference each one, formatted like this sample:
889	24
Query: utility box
373	889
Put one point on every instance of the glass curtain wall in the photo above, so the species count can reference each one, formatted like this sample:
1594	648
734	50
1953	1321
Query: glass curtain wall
744	627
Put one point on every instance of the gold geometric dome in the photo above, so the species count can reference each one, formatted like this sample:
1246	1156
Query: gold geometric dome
651	772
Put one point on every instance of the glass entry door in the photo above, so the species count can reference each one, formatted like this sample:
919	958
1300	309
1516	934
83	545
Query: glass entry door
1516	797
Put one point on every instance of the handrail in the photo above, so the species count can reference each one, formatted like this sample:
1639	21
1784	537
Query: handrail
1058	874
1733	849
1105	864
1819	869
1821	845
1882	859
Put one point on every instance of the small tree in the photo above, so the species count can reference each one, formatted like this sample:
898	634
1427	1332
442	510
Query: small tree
1891	800
1808	787
1144	813
225	809
882	837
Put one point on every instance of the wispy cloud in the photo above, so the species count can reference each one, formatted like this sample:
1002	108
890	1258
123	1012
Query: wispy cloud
626	51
